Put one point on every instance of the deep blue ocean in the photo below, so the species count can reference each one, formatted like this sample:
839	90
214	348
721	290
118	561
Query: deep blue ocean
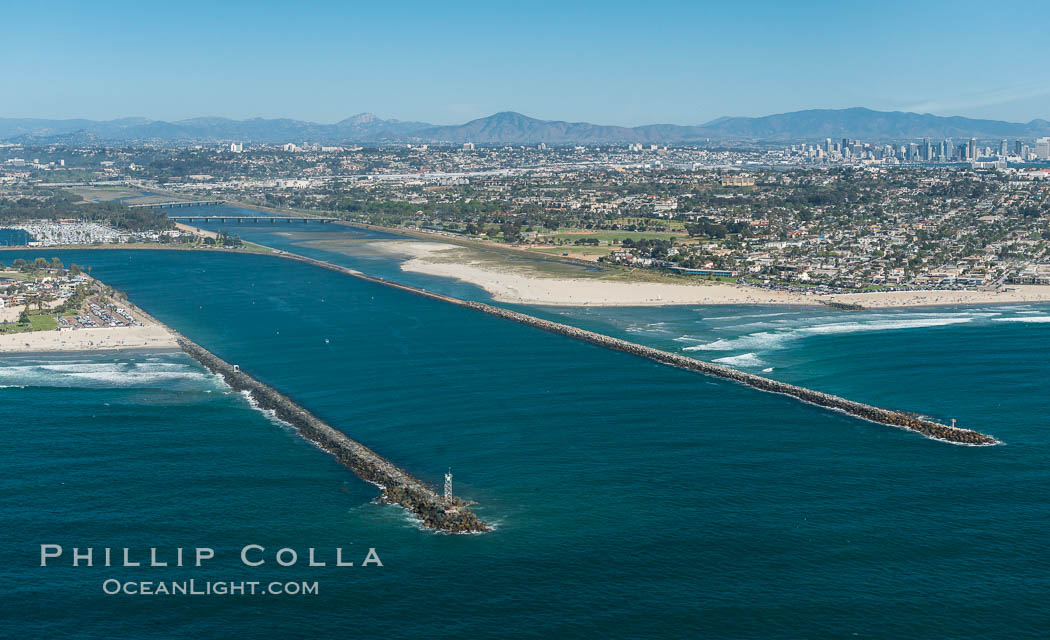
631	500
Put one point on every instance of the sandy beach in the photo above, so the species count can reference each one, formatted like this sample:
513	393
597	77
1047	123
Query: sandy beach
877	300
150	335
507	284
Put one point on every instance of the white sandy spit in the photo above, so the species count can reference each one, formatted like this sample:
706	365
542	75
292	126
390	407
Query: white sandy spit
511	285
94	339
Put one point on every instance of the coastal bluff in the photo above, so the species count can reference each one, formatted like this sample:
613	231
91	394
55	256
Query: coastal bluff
891	417
397	485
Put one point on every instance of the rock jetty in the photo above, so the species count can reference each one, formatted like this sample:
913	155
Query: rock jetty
901	419
891	417
397	485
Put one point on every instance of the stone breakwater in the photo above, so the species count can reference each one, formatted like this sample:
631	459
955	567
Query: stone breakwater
901	419
891	417
397	485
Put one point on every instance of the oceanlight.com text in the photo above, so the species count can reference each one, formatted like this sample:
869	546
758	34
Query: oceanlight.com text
193	587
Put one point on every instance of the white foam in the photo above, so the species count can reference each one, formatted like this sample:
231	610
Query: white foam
92	367
752	315
884	325
765	340
80	373
651	327
271	415
1027	319
136	378
742	360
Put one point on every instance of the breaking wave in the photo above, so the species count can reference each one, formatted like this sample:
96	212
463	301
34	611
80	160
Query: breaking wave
766	340
271	415
1032	319
742	360
121	373
649	327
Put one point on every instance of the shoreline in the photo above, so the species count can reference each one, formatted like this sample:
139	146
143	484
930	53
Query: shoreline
75	352
146	246
514	286
151	334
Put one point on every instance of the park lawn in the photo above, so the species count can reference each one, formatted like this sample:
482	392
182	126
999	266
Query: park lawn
36	323
43	322
583	250
103	194
606	237
16	275
12	327
675	226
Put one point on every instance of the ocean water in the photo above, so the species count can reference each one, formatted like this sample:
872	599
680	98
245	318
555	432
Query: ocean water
630	499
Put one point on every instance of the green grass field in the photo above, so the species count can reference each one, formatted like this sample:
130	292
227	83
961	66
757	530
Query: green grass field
43	322
583	250
608	237
103	194
36	323
675	226
15	275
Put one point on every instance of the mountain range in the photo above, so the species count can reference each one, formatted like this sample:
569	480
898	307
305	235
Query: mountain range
508	127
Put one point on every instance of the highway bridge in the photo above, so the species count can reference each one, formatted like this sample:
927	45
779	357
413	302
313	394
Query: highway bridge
256	219
178	204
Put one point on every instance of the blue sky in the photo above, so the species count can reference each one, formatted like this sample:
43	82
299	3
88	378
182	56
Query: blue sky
447	62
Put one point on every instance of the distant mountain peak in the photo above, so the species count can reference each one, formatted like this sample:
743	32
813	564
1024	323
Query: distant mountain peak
512	127
360	118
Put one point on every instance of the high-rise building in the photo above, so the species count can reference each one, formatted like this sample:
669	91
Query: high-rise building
971	149
1042	148
1018	146
1004	148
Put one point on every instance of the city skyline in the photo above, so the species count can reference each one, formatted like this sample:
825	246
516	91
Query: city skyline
615	64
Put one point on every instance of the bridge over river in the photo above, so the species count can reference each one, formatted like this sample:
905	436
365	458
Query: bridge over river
270	219
177	204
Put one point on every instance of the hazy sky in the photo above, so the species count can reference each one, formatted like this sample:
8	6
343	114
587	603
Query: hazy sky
447	62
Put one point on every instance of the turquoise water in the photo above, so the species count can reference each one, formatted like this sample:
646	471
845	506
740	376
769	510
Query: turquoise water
630	499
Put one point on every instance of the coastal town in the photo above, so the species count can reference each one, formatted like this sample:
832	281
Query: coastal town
824	218
45	306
